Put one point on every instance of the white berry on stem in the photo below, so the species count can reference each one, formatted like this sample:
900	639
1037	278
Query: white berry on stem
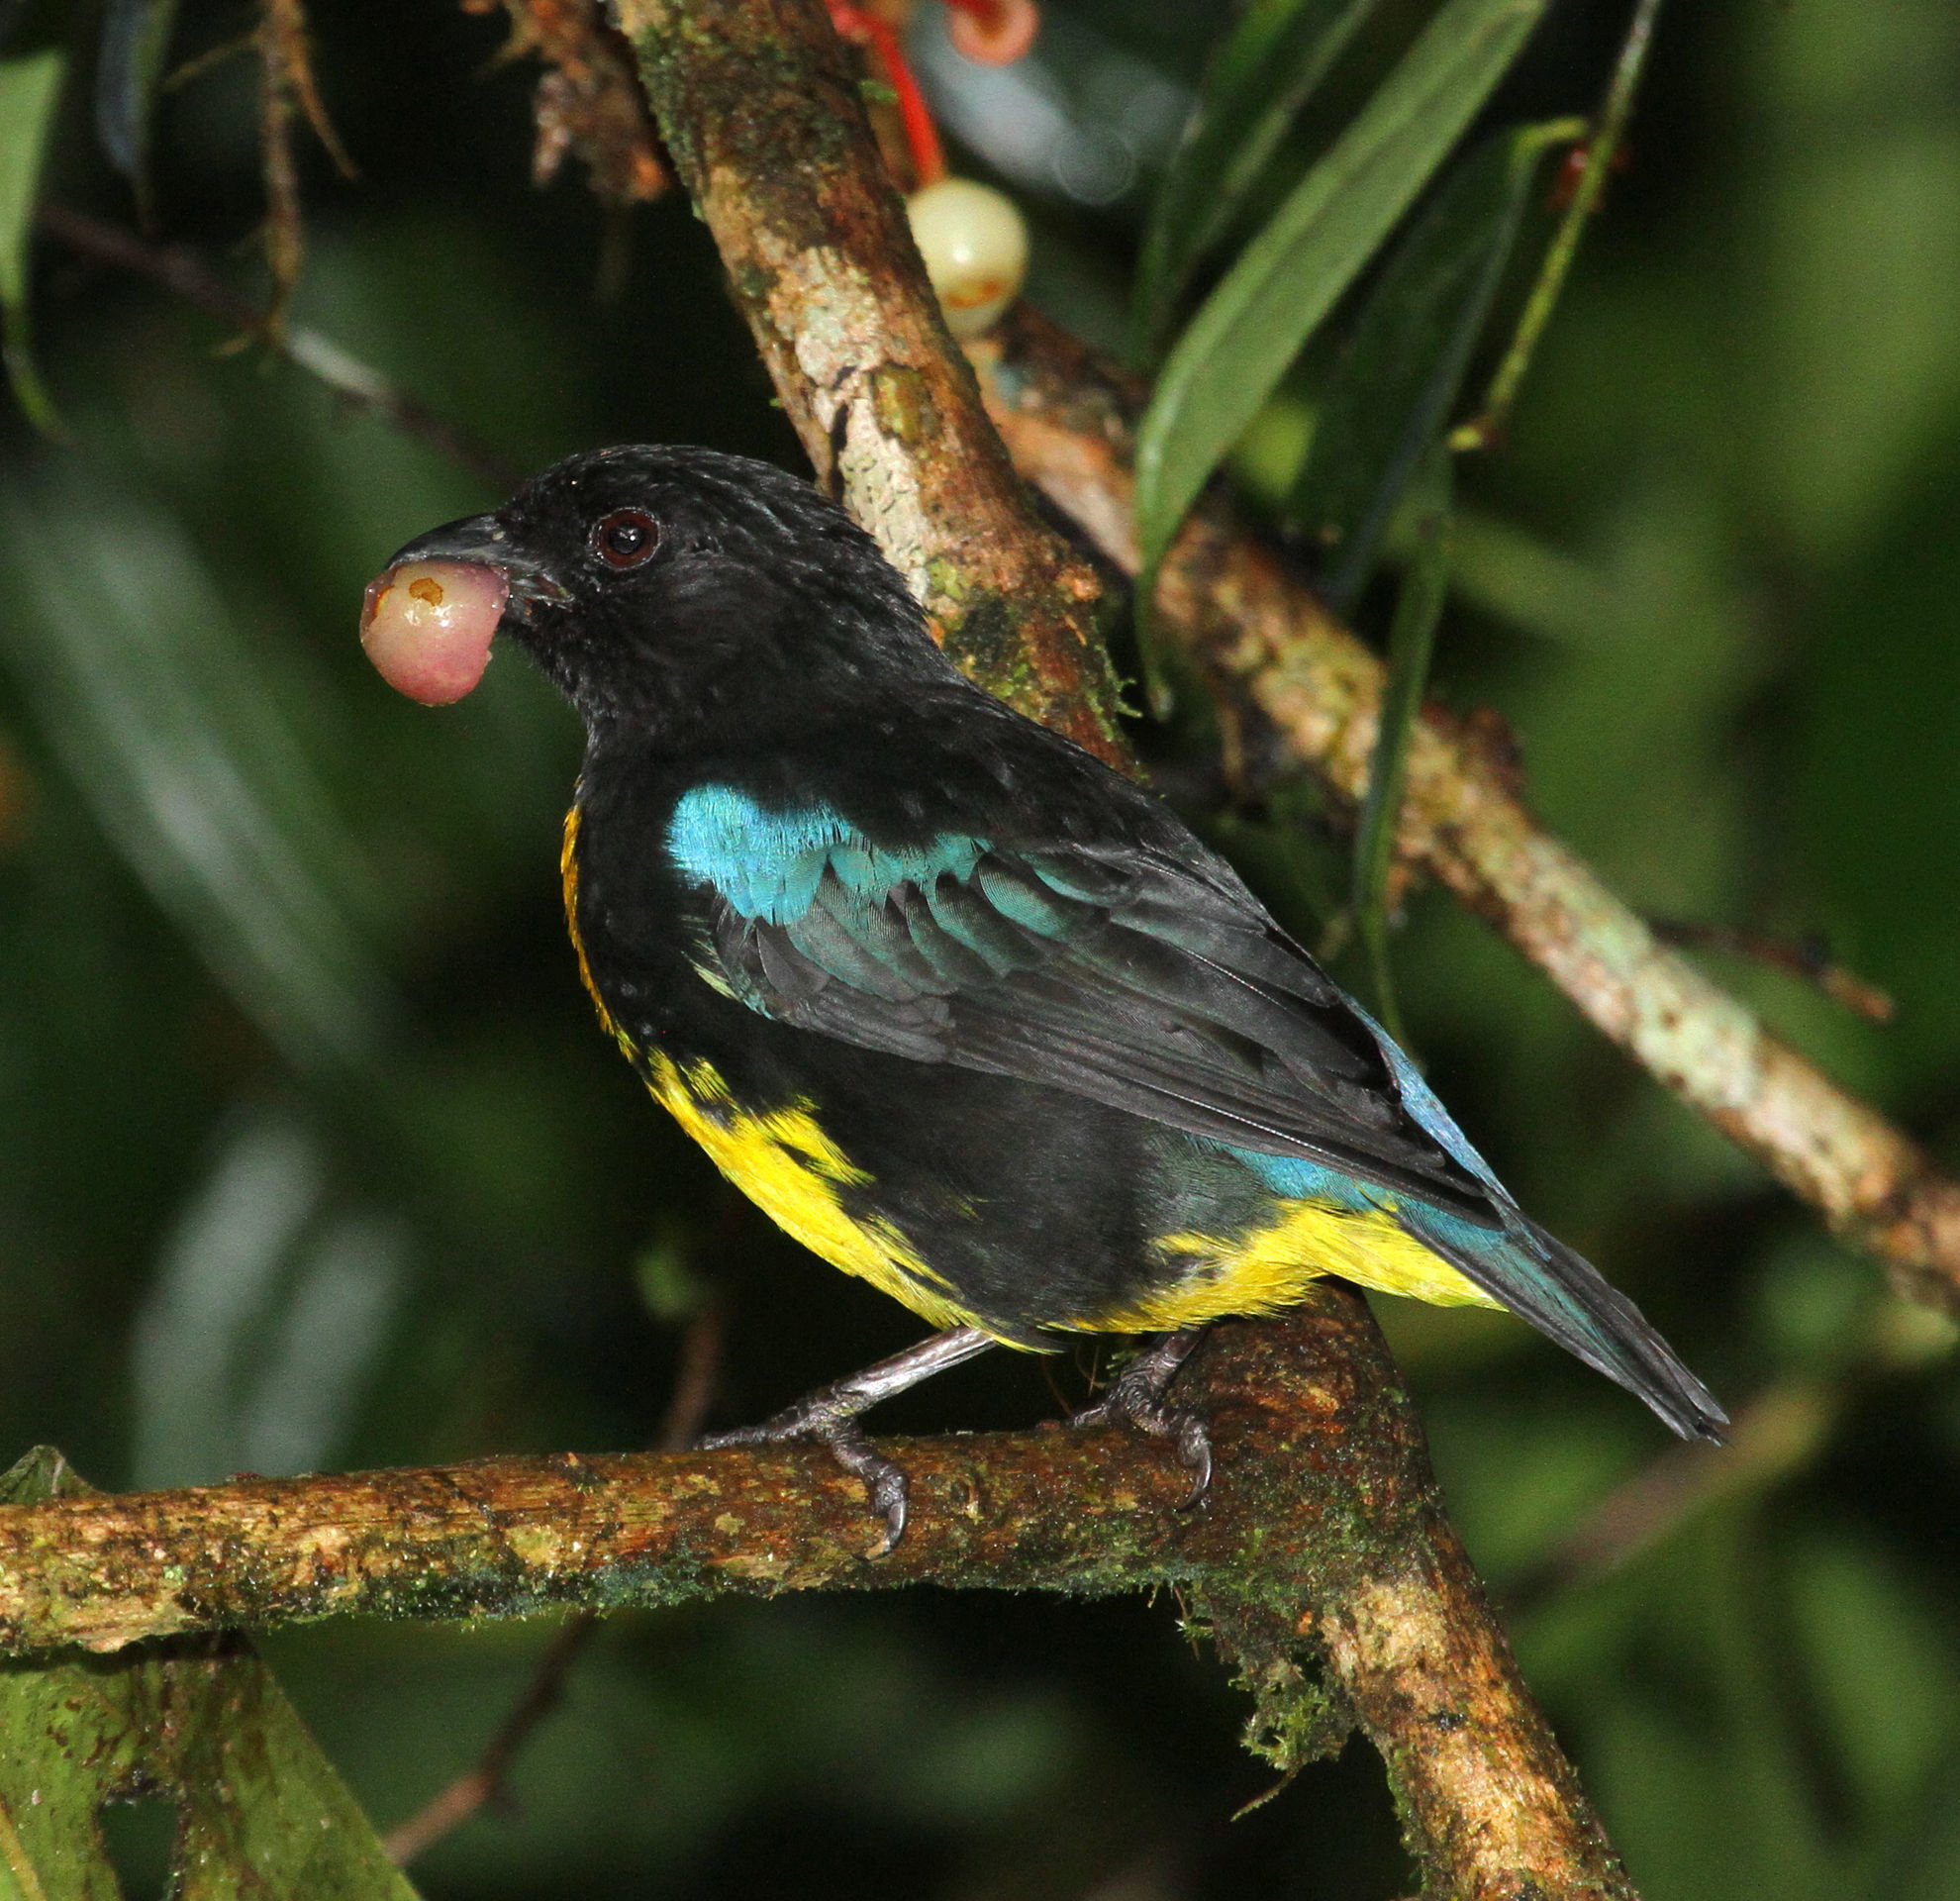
974	242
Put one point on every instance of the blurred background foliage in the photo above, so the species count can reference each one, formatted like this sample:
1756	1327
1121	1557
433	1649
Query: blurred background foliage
312	1156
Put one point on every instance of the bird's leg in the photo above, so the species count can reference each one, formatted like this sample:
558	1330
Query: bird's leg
1137	1397
829	1416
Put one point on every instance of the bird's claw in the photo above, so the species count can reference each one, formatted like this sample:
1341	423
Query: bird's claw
1135	1397
886	1490
829	1416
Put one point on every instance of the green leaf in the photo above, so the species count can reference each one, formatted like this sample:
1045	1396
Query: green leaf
170	718
1252	326
41	1472
29	89
198	1722
1412	640
135	40
1393	390
1263	73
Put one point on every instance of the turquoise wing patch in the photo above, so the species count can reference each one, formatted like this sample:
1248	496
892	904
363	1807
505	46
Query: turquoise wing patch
768	864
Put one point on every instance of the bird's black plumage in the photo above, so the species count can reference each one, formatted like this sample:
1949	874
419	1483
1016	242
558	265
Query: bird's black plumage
970	1013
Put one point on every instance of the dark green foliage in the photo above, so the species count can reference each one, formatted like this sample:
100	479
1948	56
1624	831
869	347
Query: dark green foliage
29	92
1291	273
1264	71
1388	399
136	43
1418	609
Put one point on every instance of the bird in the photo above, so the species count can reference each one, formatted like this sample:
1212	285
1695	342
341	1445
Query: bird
968	1013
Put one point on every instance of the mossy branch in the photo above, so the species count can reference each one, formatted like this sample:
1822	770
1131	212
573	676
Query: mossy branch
1322	1541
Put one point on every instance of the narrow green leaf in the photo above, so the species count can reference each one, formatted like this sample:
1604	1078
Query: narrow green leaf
30	86
1263	73
169	721
1393	390
197	1722
1412	640
29	89
135	41
1238	346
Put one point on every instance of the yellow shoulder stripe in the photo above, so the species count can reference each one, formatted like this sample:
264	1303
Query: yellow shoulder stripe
568	876
784	1163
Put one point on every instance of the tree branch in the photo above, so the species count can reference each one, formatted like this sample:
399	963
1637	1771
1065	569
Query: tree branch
1290	673
182	272
1321	1535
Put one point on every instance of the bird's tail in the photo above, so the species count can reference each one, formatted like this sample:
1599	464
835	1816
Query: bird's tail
1542	1280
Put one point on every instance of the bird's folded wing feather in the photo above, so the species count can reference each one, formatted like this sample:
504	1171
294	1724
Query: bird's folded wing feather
1119	974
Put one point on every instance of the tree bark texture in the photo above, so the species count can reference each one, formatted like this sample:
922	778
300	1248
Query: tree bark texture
759	105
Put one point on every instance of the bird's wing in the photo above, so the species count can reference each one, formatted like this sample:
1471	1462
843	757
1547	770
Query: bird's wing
1151	981
1119	973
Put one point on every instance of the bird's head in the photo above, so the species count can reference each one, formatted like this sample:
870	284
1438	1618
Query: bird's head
659	586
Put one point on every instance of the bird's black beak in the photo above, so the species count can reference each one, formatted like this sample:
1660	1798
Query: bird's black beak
482	541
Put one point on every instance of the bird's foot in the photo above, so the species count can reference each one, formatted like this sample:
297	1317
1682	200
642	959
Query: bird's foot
840	1433
830	1417
1137	1397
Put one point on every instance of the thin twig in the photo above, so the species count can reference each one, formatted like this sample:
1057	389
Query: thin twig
180	271
210	59
1775	1435
1487	425
293	56
482	1784
1412	643
695	1378
286	84
1806	957
587	101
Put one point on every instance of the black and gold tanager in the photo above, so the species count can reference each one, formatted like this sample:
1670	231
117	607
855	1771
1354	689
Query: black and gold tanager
964	1011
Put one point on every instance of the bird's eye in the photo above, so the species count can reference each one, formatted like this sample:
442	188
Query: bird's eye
626	538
